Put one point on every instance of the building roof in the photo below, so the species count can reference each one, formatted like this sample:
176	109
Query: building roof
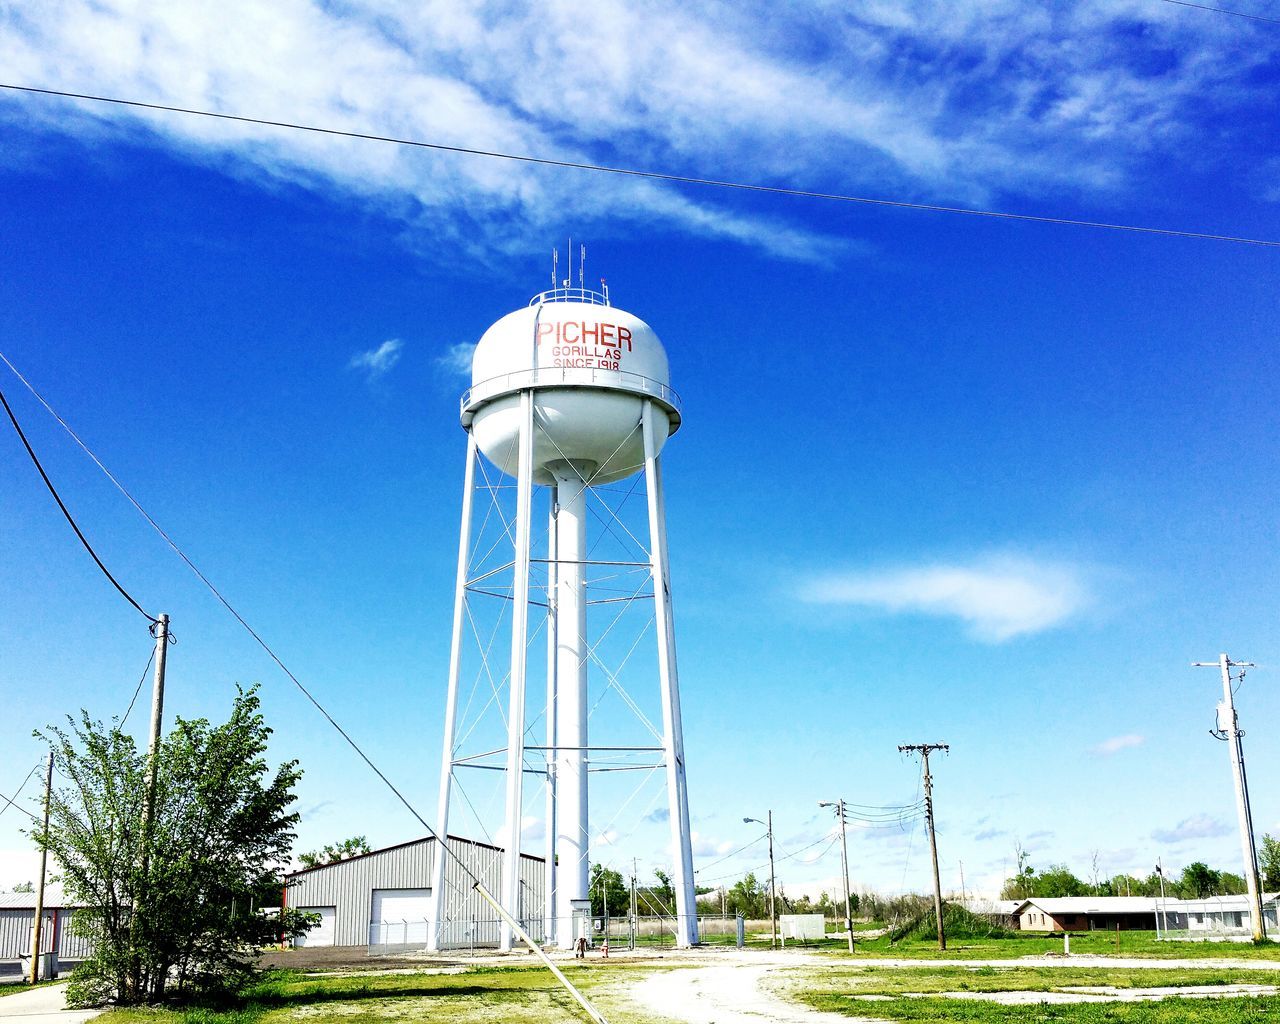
399	846
978	905
1095	904
53	899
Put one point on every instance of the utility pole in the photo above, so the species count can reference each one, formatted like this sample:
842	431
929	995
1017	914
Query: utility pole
1160	872
844	865
44	860
924	749
1230	731
773	882
161	633
634	909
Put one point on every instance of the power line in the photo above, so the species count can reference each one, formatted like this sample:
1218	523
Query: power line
1223	10
9	801
683	179
740	849
138	689
79	533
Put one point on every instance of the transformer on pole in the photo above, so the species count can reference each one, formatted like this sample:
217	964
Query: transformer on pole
571	400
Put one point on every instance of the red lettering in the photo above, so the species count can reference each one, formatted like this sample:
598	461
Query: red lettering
591	331
606	333
624	337
565	329
544	329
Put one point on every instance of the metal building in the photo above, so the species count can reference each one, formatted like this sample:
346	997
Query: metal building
17	915
383	898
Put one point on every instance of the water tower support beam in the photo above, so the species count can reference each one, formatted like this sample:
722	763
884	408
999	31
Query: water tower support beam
673	735
519	659
549	868
451	700
573	874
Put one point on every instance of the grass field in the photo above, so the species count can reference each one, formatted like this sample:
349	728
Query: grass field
1129	944
831	990
476	995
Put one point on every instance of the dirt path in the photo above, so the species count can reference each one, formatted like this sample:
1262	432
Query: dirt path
727	993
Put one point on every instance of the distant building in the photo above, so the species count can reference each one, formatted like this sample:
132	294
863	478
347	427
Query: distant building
1228	915
383	898
1097	913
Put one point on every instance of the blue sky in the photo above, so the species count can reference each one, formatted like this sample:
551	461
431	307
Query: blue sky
941	478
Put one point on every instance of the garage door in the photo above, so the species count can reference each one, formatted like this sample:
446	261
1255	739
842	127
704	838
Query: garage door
322	933
399	916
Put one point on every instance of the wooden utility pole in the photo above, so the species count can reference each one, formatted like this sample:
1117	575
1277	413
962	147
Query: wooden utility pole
924	749
38	923
161	631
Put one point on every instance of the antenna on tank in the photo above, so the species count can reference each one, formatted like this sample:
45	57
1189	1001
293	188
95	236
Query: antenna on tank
582	267
555	267
604	287
568	258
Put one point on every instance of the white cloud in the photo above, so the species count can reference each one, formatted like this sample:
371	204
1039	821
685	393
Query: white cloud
456	360
950	101
378	361
997	598
1199	826
705	846
1117	743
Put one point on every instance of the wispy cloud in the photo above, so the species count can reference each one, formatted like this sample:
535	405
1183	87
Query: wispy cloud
1199	826
705	846
1118	743
658	816
997	598
456	359
943	100
990	833
378	361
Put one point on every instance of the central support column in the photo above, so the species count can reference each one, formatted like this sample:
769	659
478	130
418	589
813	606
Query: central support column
571	828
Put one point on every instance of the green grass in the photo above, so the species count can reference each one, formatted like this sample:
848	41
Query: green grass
13	988
1246	1010
1018	944
479	995
830	990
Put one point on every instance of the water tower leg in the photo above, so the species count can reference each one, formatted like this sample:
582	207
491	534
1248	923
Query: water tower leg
549	869
572	840
438	904
519	659
673	736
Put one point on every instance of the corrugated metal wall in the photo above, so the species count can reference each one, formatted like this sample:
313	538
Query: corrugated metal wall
15	934
348	887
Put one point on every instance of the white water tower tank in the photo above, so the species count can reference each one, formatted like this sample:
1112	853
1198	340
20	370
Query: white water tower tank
592	365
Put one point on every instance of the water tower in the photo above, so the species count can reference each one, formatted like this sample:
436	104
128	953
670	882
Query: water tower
570	399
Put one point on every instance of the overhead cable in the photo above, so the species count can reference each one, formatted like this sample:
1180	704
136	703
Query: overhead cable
62	505
635	172
1223	10
138	689
10	801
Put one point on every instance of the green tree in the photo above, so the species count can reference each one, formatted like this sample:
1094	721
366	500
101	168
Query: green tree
1269	863
609	890
1198	881
663	892
24	887
749	898
171	906
334	852
1058	880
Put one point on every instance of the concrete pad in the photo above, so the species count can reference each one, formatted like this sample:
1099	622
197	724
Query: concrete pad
45	1004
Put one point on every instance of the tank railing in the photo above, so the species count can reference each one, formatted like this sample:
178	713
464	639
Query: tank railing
587	295
570	376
